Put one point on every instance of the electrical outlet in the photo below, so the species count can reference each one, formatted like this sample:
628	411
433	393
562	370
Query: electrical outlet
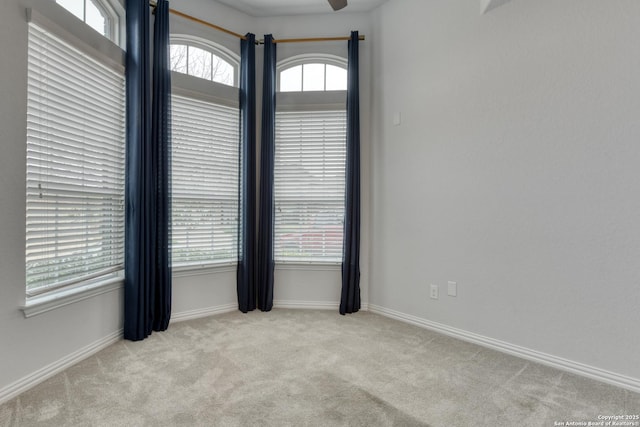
452	289
434	291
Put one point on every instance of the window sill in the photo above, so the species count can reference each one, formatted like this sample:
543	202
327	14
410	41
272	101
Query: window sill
309	265
200	269
59	298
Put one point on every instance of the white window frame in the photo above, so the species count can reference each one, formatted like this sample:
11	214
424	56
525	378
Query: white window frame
216	49
57	20
332	100
188	86
115	15
306	59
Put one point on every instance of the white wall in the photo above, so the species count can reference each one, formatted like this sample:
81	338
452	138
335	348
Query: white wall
514	172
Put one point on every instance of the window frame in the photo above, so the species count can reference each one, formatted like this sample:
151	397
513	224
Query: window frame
188	86
216	49
307	211
306	59
58	21
309	101
114	14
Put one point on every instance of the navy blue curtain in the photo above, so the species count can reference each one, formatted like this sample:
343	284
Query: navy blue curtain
161	141
147	269
246	285
350	297
266	214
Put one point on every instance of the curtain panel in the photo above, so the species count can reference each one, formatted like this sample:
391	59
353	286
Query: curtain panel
350	296
147	262
161	163
247	239
266	262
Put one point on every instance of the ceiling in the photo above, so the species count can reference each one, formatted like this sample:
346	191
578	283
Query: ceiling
297	7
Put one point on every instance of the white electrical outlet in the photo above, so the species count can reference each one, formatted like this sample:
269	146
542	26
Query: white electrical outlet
452	289
434	291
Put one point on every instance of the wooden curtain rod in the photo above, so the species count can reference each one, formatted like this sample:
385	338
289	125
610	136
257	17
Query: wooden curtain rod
312	39
240	36
200	21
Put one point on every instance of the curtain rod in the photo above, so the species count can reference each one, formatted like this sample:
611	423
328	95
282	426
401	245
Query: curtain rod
261	41
200	21
311	39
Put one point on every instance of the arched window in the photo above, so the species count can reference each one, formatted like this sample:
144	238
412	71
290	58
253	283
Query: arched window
203	59
312	73
205	151
101	15
310	159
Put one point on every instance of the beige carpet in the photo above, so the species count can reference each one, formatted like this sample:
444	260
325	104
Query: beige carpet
309	368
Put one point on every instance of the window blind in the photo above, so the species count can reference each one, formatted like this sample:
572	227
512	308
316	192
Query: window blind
309	180
75	165
205	162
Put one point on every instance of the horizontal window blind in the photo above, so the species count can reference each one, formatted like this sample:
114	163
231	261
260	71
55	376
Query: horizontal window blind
205	162
309	185
75	165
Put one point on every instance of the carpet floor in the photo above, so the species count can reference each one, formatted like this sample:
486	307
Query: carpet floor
310	368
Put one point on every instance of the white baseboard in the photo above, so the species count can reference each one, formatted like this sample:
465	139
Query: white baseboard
14	389
227	308
312	305
309	305
577	368
202	312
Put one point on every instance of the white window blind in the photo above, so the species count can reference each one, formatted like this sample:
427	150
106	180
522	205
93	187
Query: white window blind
309	185
205	162
75	165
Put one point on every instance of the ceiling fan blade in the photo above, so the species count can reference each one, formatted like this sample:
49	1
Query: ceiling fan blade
338	4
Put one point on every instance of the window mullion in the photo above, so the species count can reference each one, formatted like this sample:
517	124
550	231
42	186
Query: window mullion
324	76
188	73
211	65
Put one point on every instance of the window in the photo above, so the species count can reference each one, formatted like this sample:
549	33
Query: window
309	183
75	165
100	15
318	74
310	157
205	155
204	192
197	58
